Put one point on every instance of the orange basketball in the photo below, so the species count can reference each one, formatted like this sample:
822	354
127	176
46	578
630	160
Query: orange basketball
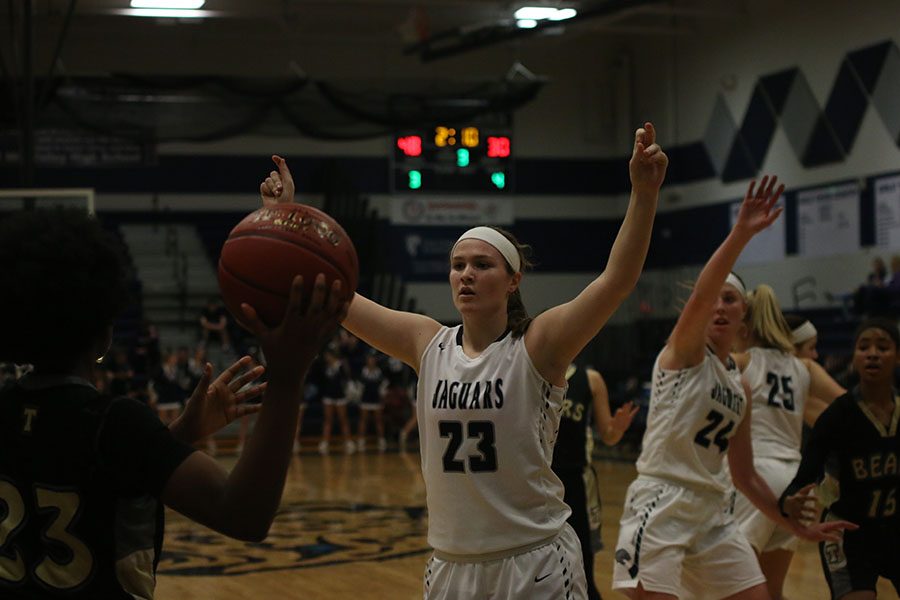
271	246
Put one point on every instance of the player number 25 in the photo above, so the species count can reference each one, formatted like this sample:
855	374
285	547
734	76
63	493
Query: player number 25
484	430
49	572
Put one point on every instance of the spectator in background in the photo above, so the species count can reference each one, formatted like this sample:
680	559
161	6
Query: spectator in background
372	401
871	298
893	287
169	387
352	351
145	354
334	400
214	320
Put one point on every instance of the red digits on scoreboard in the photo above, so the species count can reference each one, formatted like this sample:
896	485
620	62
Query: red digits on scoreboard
411	145
498	147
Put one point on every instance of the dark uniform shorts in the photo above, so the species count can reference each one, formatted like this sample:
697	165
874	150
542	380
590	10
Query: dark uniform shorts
859	559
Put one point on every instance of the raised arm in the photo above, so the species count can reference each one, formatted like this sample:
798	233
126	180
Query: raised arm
557	336
611	428
685	346
242	503
396	333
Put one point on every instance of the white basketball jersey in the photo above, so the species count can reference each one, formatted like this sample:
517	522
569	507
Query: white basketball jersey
779	383
694	413
487	426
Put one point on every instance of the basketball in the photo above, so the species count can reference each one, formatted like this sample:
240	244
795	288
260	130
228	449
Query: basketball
271	246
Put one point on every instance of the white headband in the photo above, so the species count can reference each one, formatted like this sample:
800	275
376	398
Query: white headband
495	239
733	280
803	333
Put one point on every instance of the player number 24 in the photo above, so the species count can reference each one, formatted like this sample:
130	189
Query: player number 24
719	435
484	431
61	576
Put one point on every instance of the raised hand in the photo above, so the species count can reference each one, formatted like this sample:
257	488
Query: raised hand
290	347
621	421
213	406
802	507
758	209
278	187
648	163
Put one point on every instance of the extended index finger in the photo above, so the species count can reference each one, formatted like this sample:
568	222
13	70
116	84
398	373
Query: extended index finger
650	138
283	169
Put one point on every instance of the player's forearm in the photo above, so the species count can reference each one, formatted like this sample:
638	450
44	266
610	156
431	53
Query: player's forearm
611	436
761	496
255	485
629	250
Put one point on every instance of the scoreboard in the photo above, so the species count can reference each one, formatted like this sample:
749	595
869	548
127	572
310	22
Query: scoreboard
452	158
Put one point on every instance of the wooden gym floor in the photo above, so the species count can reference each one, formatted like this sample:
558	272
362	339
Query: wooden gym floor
354	527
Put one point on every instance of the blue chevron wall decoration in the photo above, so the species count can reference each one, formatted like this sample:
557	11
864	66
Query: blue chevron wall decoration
818	136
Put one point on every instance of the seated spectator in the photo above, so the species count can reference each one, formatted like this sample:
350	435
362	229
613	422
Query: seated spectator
214	320
871	298
893	287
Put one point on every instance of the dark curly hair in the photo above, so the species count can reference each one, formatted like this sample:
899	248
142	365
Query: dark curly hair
63	282
886	325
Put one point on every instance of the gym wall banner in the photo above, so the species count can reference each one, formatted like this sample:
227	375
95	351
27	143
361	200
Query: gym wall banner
444	211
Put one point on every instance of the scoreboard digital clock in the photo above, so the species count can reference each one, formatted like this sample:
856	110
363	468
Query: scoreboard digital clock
452	158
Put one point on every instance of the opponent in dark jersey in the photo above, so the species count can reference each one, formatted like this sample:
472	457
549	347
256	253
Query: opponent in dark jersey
83	476
586	399
854	449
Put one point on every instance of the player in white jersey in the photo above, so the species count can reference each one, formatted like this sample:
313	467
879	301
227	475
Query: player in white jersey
489	398
677	533
785	392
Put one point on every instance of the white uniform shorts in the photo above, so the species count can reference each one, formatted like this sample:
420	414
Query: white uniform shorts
762	532
335	401
681	541
553	571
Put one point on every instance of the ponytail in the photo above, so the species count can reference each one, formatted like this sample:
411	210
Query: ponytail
766	321
517	319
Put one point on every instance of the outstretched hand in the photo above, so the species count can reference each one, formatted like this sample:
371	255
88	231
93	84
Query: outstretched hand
829	531
278	187
213	406
758	209
801	509
648	163
621	420
291	347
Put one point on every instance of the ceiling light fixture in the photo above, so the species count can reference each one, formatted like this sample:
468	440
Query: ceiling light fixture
168	4
528	16
167	13
564	13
